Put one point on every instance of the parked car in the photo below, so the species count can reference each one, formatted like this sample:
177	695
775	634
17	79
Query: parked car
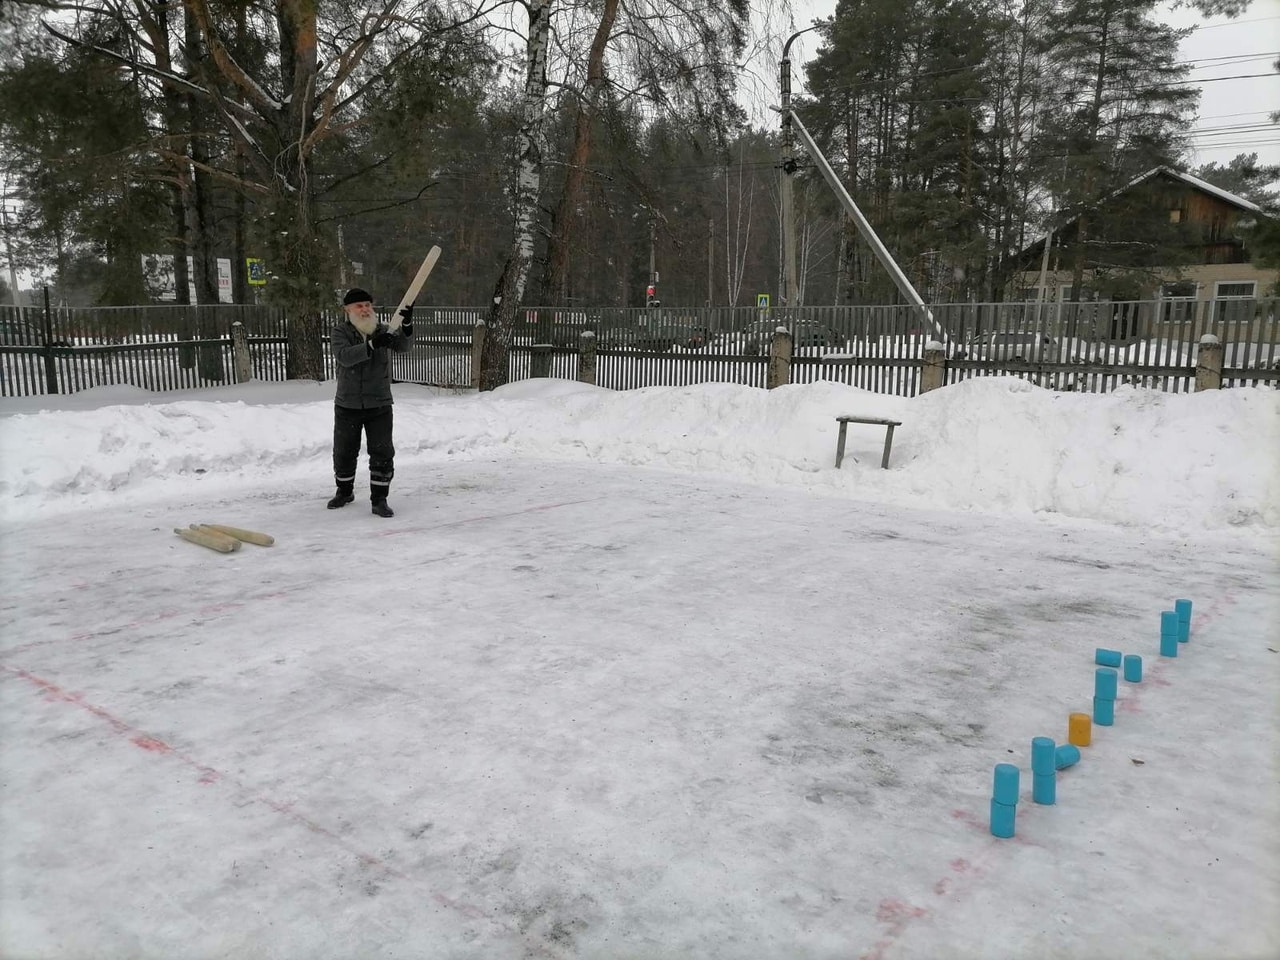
667	336
1008	346
805	333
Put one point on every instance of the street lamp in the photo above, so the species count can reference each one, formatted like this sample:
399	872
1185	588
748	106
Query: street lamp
788	166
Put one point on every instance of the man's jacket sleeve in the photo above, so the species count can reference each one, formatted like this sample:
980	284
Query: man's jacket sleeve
349	348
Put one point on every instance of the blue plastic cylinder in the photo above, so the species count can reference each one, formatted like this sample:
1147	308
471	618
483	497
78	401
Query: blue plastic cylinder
1169	623
1044	788
1183	609
1106	658
1169	646
1067	755
1132	668
1003	816
1104	711
1042	754
1006	784
1105	683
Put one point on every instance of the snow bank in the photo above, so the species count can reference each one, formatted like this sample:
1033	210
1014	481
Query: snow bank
1134	457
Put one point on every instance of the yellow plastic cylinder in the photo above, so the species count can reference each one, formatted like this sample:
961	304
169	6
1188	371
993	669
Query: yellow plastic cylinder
1080	729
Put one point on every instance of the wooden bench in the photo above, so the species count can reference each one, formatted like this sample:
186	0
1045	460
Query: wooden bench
879	421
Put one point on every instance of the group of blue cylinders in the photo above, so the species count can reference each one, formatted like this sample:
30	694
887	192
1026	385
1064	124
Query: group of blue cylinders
1047	758
1175	627
1105	682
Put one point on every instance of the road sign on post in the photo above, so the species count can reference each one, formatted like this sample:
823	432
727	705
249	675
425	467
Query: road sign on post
257	272
762	301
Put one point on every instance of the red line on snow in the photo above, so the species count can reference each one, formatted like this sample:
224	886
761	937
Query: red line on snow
209	775
898	915
401	531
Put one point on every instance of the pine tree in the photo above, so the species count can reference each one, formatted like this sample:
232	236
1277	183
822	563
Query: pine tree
1116	111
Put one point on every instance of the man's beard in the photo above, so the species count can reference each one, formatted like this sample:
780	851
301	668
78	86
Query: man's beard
367	326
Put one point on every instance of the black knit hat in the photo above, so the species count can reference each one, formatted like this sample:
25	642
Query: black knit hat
356	295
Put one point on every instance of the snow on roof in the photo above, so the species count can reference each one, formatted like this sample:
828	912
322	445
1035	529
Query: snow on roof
1225	195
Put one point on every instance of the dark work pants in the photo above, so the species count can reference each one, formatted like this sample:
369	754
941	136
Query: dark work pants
376	424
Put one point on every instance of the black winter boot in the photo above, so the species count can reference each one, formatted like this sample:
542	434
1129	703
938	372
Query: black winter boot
344	496
380	508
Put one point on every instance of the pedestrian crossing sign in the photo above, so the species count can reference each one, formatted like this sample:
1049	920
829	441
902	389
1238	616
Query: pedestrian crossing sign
762	301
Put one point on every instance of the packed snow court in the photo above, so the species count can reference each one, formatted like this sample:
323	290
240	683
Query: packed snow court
638	675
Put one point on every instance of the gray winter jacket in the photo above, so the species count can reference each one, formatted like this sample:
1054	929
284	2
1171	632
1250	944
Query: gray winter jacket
364	374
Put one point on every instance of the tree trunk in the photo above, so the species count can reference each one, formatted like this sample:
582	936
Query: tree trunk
566	217
494	368
204	255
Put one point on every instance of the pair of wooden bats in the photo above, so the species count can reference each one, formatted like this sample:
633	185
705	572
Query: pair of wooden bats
224	539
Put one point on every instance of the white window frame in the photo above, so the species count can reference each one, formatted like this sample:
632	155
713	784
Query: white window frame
1175	309
1219	295
1220	307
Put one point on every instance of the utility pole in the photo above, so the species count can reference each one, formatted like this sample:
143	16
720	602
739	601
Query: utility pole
711	262
8	242
787	166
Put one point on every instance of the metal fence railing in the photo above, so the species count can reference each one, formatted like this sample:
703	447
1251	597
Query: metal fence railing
1094	346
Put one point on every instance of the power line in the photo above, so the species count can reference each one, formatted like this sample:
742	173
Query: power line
1225	116
1234	56
1215	26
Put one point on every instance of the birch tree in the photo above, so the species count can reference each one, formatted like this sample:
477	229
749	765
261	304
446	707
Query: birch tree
525	189
739	201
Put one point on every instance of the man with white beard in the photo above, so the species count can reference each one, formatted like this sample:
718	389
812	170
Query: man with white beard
362	349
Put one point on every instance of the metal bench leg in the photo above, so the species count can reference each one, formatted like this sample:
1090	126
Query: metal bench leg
888	445
840	444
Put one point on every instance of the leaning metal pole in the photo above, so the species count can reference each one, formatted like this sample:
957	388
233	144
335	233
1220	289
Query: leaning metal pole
864	227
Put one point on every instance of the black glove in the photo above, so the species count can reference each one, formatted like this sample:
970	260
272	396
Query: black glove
406	319
381	339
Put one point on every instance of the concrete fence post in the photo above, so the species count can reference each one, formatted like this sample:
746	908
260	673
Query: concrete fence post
541	363
1209	364
477	351
50	368
779	359
587	358
934	372
241	363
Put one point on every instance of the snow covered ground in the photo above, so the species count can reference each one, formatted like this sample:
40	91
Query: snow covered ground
637	675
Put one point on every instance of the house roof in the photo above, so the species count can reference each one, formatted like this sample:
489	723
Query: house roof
1225	195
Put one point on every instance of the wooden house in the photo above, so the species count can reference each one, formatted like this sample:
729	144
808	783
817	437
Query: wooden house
1165	236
